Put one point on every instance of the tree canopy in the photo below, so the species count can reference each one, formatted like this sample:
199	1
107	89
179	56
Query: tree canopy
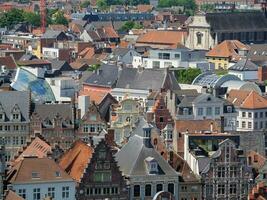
59	18
15	16
103	4
189	5
130	25
187	76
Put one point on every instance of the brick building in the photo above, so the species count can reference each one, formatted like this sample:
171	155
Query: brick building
102	178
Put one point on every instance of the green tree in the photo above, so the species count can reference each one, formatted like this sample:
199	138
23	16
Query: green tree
9	19
189	5
85	4
94	67
59	18
207	7
130	25
187	75
102	4
32	18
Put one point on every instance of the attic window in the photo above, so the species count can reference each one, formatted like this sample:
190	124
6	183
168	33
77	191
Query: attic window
58	174
35	175
152	165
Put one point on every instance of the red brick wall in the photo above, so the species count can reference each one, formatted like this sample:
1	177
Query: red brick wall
262	73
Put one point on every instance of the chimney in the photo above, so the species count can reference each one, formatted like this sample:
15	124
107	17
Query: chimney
222	124
83	104
109	137
211	127
262	73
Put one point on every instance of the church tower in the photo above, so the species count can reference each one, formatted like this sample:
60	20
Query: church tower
199	34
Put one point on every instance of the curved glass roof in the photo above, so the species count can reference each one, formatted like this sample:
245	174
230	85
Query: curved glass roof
213	80
26	81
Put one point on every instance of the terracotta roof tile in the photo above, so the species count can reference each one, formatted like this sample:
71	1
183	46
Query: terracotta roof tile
110	32
193	126
247	99
96	96
37	147
76	159
162	37
10	195
46	171
228	49
8	61
87	53
58	27
144	8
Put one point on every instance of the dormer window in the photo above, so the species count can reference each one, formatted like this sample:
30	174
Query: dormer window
2	117
152	165
147	133
15	114
57	174
35	175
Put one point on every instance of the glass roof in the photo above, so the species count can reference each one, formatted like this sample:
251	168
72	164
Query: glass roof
40	89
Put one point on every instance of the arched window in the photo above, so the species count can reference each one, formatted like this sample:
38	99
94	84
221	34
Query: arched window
199	38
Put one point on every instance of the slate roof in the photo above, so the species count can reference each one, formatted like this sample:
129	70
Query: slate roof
46	168
244	65
51	34
49	111
106	76
237	21
145	79
258	53
8	99
131	159
58	64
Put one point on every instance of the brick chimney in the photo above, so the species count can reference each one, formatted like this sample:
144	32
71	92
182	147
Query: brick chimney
262	73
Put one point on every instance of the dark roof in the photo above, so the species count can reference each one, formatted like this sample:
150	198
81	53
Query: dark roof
106	76
49	111
120	51
60	65
52	34
245	21
28	57
131	158
8	61
145	79
94	35
258	53
8	100
244	65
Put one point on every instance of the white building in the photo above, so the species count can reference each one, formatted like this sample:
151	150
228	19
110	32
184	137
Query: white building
245	70
251	110
36	178
164	58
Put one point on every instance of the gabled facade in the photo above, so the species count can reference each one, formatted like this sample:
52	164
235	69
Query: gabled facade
227	176
102	178
14	120
124	118
91	124
55	122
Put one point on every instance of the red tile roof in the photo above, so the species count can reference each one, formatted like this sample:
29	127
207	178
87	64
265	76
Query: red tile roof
110	32
76	159
38	148
247	99
8	61
96	96
10	195
162	37
87	53
193	126
228	49
144	8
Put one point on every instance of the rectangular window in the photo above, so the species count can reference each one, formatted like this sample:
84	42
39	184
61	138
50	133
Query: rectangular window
22	193
51	192
243	124
177	56
233	171
102	176
161	119
65	192
167	64
256	125
217	111
209	111
221	172
200	111
137	191
171	188
232	188
243	114
148	190
155	64
261	114
255	115
36	194
249	125
221	189
15	116
249	115
159	187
